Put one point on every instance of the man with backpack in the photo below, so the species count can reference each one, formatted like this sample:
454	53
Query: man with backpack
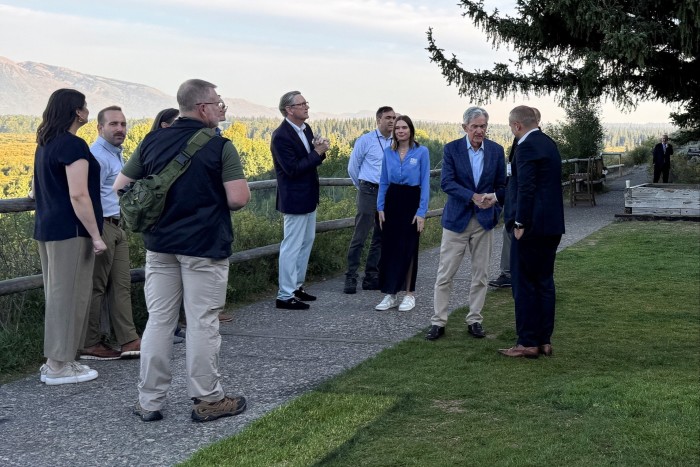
187	253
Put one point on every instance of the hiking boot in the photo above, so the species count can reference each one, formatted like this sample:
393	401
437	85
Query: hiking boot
147	415
179	336
71	372
370	283
99	351
350	285
501	282
203	411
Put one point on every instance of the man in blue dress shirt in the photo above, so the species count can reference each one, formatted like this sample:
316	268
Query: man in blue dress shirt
364	168
111	279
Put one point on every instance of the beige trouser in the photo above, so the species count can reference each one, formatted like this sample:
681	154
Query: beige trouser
201	284
452	249
66	266
111	286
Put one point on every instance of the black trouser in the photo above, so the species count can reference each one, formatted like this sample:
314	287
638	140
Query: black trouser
661	169
532	280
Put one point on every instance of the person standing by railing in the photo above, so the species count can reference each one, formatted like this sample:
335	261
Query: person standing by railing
364	169
111	280
68	229
402	203
187	253
296	154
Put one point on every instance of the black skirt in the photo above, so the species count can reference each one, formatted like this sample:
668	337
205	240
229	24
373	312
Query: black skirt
399	239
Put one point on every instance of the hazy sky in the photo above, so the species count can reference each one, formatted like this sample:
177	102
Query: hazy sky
343	55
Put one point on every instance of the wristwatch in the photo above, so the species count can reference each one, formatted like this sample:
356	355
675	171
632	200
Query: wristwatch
518	226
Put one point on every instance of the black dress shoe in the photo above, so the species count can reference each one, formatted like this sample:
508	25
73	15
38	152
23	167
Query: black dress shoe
476	330
301	294
291	304
436	332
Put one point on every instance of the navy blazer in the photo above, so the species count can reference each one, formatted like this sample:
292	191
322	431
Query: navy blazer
458	183
534	190
662	157
295	167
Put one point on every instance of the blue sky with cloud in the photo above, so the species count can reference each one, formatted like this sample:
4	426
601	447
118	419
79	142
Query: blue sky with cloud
344	55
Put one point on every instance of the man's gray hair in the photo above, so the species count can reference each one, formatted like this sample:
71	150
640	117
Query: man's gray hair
192	92
286	100
474	112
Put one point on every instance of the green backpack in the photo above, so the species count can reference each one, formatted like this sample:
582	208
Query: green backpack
142	201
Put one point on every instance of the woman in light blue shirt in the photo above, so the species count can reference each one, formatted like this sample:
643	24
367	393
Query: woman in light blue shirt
402	201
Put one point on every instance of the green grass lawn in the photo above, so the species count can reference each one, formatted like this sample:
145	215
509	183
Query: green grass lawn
622	388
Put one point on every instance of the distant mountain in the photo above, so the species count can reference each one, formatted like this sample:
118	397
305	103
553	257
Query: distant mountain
25	88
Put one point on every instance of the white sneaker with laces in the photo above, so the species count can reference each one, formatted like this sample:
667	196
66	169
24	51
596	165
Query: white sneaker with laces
390	301
72	372
408	303
45	368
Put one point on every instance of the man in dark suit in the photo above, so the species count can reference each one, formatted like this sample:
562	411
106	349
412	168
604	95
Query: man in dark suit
662	159
296	154
474	178
535	215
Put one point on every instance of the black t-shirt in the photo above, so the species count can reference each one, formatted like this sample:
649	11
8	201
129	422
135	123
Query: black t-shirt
55	218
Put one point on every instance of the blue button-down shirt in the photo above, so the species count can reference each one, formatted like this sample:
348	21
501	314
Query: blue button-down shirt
476	158
366	157
111	163
414	170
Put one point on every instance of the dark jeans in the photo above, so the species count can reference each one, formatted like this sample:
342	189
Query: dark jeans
365	220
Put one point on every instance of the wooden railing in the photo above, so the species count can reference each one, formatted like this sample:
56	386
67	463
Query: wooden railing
21	284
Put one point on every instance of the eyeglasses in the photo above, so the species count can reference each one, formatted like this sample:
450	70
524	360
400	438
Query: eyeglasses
219	104
303	104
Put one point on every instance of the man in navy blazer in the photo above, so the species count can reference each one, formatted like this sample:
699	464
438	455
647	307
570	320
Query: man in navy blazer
535	214
662	159
474	178
296	155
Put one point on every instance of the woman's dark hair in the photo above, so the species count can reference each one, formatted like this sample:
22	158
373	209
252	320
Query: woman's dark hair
59	115
412	135
164	116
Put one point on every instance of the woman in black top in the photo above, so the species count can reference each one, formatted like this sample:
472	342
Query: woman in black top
68	228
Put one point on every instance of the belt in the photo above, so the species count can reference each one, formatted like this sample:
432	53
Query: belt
112	220
365	182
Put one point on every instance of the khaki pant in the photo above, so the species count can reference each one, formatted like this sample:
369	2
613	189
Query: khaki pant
452	249
66	266
111	286
201	284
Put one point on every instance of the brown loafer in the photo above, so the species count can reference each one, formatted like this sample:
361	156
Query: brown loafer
131	349
99	351
546	350
521	351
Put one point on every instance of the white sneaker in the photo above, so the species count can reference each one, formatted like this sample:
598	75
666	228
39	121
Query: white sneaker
72	372
408	303
390	301
45	368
